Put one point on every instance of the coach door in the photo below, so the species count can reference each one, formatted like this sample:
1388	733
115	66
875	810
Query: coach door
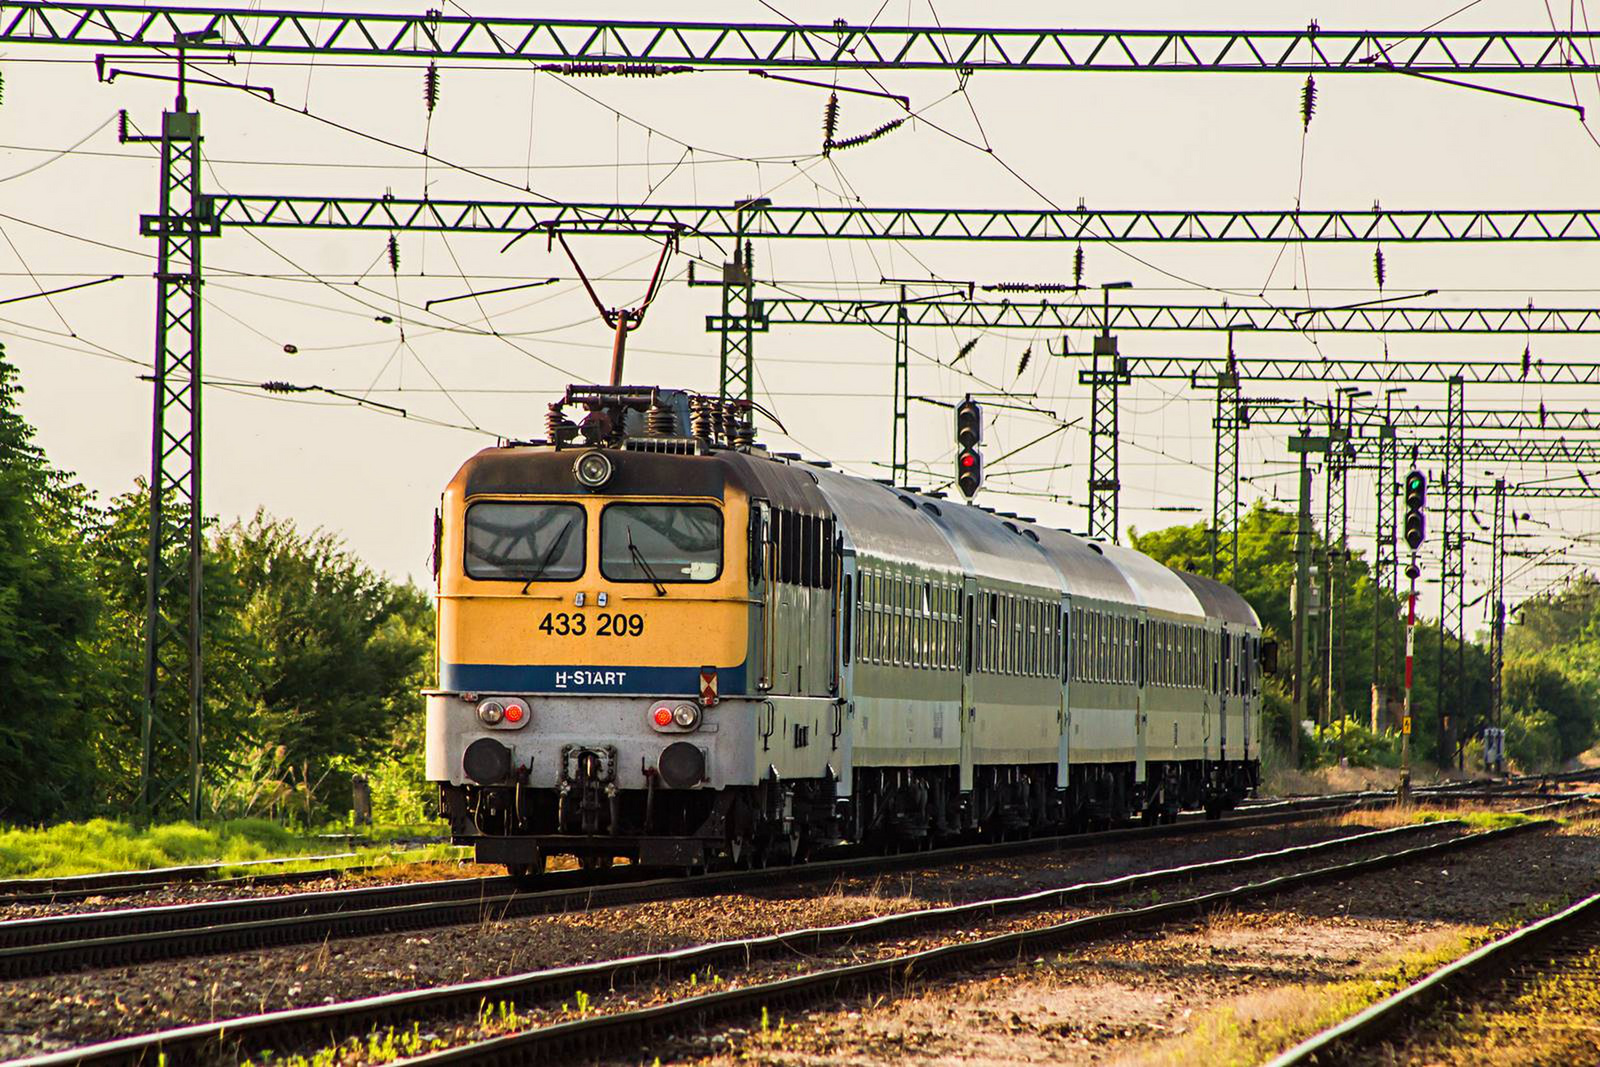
1140	716
844	708
969	705
1064	684
1224	690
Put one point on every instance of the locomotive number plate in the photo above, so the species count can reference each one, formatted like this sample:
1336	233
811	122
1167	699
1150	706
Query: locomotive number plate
604	624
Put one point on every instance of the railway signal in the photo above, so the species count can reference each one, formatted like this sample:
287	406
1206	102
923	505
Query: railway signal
969	435
1415	527
1416	500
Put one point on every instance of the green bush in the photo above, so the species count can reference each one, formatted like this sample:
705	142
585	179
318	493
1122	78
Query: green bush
1353	740
1533	741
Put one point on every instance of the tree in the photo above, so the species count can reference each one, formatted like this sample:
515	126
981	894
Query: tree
1535	686
343	651
48	609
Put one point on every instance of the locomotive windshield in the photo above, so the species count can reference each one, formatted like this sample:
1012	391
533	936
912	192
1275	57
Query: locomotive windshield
525	542
661	542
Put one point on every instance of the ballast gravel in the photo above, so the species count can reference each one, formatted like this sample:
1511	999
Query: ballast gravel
67	1010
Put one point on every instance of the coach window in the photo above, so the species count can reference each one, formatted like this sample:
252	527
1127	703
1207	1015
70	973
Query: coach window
525	542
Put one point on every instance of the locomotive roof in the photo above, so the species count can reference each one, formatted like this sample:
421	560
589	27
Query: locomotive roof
540	469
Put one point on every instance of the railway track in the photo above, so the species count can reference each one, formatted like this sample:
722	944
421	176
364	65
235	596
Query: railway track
625	1033
1565	945
333	1023
58	943
132	883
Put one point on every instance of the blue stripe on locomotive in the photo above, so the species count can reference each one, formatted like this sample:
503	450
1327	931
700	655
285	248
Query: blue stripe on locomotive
643	681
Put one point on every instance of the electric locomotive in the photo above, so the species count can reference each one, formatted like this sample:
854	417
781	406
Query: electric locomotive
659	641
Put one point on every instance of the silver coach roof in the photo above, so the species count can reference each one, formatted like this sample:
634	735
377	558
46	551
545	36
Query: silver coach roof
875	520
1221	601
1158	587
1085	570
995	547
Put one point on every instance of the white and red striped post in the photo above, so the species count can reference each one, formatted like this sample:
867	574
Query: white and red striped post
1405	718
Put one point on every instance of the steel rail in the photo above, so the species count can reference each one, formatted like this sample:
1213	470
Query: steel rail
336	1022
650	47
53	944
627	1031
1334	1044
127	883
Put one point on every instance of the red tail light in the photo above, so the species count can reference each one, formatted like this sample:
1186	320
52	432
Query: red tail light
663	716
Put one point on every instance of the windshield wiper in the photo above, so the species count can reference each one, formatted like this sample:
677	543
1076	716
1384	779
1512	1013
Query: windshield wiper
644	564
556	544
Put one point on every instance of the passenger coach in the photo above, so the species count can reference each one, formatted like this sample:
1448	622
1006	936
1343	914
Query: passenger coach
656	640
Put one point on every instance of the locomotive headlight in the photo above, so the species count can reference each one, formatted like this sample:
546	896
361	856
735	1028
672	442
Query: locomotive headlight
686	716
592	469
491	712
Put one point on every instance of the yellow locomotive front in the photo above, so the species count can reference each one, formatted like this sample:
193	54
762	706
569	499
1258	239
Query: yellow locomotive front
594	607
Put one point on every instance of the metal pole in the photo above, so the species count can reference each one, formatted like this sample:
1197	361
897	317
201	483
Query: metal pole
1452	590
900	446
1497	628
1385	554
1302	595
173	616
1331	465
1104	477
1225	476
738	373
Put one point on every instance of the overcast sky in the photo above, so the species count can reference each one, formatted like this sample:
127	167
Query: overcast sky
309	307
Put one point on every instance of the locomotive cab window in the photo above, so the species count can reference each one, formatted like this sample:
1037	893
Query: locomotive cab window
661	542
524	542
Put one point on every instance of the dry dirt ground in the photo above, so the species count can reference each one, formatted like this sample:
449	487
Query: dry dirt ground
1231	989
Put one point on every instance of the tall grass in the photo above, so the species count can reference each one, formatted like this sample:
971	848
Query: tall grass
107	845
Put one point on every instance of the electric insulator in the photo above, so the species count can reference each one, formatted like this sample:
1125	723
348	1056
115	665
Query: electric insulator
830	122
729	419
557	427
1379	271
855	142
291	349
966	350
744	432
1027	354
1030	287
394	254
1077	266
750	259
626	70
277	387
700	417
660	420
430	87
1527	359
1308	101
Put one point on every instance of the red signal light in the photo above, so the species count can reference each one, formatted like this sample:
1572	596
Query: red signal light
969	460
